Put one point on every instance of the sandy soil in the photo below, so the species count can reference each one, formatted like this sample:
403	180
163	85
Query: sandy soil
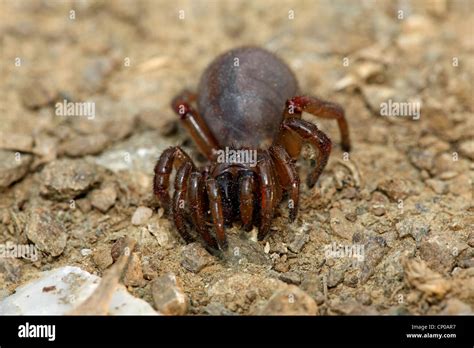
403	197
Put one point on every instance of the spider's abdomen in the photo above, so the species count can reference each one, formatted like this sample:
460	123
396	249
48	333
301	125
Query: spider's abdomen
242	96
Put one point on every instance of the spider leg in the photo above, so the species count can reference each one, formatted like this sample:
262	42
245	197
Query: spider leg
196	197
323	109
179	200
247	199
310	133
194	123
267	193
288	177
217	212
171	157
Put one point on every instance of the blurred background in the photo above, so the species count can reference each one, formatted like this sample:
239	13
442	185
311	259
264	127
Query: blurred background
131	57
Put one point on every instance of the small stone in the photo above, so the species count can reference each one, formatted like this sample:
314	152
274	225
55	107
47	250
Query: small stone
217	308
45	149
266	249
443	163
375	95
422	159
103	199
65	179
102	257
141	216
134	274
395	189
120	247
10	269
420	276
168	297
440	252
335	277
242	250
466	148
352	217
86	252
290	301
38	93
194	257
339	224
377	134
45	232
84	205
437	186
153	118
13	167
160	229
319	298
281	266
470	239
16	142
84	145
290	278
375	248
237	290
299	240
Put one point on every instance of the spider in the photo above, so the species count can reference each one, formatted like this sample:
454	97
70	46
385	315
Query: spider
247	101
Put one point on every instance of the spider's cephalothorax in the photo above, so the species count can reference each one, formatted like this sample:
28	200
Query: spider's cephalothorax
248	124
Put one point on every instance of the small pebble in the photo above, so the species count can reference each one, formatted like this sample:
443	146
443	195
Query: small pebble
13	167
290	278
86	252
84	145
194	257
102	257
290	301
378	210
45	232
298	242
141	216
266	249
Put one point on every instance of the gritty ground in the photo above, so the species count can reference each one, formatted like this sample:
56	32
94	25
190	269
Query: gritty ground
404	195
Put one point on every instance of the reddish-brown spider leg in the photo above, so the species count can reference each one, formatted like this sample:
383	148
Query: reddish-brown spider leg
217	212
310	133
288	177
194	124
171	157
323	109
179	200
267	193
196	195
246	199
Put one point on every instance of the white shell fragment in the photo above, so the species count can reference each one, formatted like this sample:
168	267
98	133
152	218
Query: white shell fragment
59	291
